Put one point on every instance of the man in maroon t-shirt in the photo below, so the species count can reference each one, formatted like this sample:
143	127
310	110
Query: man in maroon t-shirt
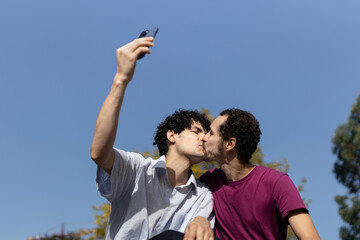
250	202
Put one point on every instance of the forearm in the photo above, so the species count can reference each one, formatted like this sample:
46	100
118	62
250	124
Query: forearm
107	121
303	226
106	125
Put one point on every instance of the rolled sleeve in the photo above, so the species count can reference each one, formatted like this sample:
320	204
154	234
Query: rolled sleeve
122	177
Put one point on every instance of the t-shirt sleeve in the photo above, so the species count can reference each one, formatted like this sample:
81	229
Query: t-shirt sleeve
287	197
123	174
209	177
204	177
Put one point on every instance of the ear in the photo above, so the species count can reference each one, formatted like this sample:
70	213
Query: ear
230	144
170	135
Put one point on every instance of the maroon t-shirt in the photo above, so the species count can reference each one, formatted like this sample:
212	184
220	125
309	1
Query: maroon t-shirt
254	207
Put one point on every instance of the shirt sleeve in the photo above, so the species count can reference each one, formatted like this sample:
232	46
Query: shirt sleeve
207	211
123	175
287	197
206	208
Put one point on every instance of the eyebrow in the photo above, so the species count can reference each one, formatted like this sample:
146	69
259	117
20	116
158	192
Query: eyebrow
197	128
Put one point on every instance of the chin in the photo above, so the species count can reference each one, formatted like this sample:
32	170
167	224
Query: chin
197	159
206	158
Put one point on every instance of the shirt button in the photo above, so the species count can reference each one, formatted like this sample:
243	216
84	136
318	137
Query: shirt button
168	209
158	228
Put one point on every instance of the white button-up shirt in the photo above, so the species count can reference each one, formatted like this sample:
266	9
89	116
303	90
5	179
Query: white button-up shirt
143	203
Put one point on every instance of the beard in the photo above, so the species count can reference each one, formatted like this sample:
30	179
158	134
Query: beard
213	155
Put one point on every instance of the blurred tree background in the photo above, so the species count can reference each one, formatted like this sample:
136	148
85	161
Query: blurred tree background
346	146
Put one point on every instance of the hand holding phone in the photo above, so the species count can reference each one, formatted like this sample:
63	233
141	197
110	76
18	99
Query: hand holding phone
148	33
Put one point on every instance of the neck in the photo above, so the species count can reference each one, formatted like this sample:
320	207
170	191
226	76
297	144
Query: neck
178	170
236	170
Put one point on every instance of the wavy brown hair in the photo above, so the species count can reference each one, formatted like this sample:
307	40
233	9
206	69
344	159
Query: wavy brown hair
244	127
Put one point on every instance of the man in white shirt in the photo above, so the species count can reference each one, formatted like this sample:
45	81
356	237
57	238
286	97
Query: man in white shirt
150	196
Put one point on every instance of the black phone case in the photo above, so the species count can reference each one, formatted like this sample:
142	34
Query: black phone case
148	33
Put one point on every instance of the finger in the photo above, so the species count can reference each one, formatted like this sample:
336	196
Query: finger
140	42
190	233
200	233
212	237
209	235
141	50
186	233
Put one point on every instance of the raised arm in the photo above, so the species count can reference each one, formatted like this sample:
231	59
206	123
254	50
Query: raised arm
107	121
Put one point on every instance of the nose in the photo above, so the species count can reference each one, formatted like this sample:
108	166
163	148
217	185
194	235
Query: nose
205	137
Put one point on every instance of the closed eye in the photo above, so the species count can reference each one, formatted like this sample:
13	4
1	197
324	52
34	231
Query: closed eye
196	130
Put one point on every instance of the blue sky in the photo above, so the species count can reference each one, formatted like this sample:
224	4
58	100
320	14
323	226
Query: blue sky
293	64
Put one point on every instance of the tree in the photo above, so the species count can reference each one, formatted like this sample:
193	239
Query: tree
101	221
346	146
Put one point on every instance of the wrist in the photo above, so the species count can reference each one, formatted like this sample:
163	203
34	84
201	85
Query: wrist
120	80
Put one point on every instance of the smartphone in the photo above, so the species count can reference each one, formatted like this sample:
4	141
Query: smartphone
148	33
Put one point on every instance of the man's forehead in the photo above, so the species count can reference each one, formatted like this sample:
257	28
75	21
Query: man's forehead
218	122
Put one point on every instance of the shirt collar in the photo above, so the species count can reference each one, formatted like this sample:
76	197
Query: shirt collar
192	180
160	163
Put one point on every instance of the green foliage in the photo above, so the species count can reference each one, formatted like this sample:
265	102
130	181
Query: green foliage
346	146
101	221
200	168
349	209
208	114
258	159
154	154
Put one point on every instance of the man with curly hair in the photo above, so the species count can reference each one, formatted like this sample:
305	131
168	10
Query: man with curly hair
147	196
250	202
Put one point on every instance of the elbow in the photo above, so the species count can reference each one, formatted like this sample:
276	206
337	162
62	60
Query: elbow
104	159
96	155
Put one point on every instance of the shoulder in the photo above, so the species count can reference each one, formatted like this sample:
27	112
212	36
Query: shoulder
269	178
212	173
200	184
279	182
130	160
214	178
268	173
126	156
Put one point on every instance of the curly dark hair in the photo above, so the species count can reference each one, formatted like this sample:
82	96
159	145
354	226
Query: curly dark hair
244	127
178	122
